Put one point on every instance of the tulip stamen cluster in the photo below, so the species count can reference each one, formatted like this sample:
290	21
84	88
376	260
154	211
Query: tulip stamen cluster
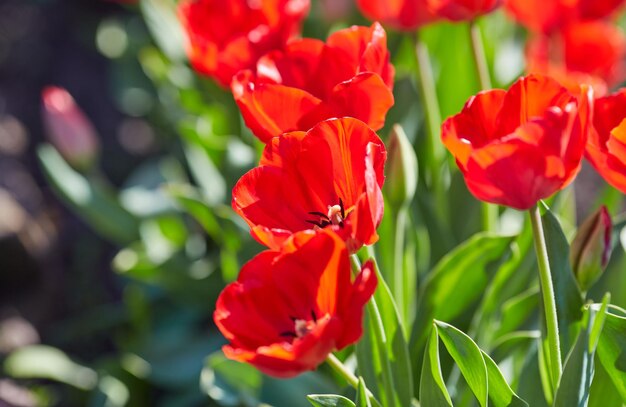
336	215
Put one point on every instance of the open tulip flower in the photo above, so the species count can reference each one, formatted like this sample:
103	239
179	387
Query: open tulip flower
606	148
404	15
518	146
459	10
288	310
545	16
227	36
310	81
564	55
329	177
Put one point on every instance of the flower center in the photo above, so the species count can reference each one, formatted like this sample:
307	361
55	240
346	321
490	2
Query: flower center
335	216
301	327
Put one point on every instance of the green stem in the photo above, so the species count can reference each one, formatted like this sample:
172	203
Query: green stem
547	290
478	52
489	212
397	282
352	380
428	94
376	322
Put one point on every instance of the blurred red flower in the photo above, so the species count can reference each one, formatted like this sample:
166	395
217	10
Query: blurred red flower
68	129
545	16
310	81
288	310
606	148
329	177
565	55
518	146
459	10
227	36
405	15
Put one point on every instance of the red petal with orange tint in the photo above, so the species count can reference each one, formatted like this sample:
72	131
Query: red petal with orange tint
270	109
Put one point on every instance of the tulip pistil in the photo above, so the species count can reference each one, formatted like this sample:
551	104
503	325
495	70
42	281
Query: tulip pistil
335	216
301	326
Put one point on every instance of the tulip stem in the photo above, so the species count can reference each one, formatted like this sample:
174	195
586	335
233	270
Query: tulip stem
428	93
547	290
489	212
348	376
398	259
376	322
478	52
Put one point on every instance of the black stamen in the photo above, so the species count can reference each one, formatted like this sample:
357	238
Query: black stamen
320	214
289	334
293	319
314	316
343	211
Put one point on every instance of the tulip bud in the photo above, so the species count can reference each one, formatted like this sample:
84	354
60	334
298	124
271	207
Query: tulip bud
68	129
401	181
591	248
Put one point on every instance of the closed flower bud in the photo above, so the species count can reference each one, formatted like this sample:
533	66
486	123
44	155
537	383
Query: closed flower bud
591	248
402	169
68	129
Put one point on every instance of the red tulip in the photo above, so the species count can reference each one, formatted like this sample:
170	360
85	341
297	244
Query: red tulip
518	146
288	310
405	15
459	10
310	81
565	55
606	148
227	36
329	177
545	16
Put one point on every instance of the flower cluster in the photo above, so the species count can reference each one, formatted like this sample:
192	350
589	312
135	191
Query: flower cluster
565	33
315	197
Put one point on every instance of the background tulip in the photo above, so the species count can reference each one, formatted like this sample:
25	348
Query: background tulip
227	36
406	15
69	130
310	81
459	10
606	149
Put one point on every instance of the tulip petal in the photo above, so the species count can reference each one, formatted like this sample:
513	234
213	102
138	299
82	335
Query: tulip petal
475	126
365	97
269	109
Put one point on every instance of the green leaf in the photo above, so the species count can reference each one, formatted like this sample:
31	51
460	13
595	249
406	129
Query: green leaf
433	392
458	280
398	351
160	16
188	199
500	393
329	400
45	362
205	173
578	369
91	199
612	351
230	382
361	395
568	298
468	358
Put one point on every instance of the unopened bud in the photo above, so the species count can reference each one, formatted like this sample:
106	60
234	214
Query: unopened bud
591	248
68	129
401	180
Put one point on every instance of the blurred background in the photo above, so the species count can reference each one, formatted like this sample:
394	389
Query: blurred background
115	242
